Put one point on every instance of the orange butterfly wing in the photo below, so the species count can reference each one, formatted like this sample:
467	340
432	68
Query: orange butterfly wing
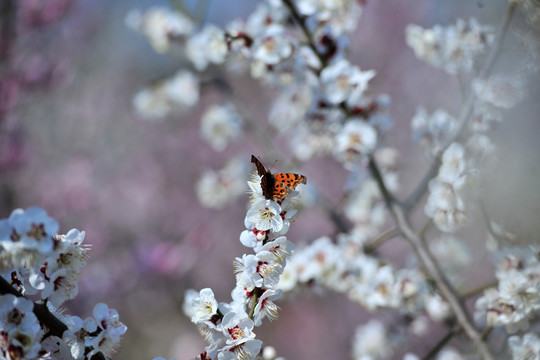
276	186
289	179
285	183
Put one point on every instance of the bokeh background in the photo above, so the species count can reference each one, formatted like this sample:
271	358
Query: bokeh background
71	143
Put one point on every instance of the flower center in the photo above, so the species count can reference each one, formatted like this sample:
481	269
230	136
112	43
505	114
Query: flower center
236	333
266	213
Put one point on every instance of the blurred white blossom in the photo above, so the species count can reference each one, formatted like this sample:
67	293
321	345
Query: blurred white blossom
220	124
160	25
208	46
216	189
526	347
159	100
452	48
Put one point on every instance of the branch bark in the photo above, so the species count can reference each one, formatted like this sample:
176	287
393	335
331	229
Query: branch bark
51	322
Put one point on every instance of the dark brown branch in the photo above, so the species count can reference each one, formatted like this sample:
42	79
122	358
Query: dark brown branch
51	322
377	175
301	21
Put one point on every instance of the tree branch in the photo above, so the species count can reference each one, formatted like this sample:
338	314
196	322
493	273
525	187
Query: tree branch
441	281
404	226
51	322
441	343
380	239
302	23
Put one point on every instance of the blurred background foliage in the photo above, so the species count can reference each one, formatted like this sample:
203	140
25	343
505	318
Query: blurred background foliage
71	143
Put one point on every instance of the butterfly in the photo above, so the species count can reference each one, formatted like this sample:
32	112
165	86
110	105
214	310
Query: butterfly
276	186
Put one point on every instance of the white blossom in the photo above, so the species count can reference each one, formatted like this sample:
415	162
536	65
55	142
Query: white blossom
216	189
27	236
438	308
355	140
240	339
266	307
371	342
341	80
503	91
432	131
264	215
290	107
445	206
526	347
204	306
160	25
183	88
78	334
309	141
159	100
111	330
220	124
21	331
452	48
152	103
208	46
453	165
272	45
260	270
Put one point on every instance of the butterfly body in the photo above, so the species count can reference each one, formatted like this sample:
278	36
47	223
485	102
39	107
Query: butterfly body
276	186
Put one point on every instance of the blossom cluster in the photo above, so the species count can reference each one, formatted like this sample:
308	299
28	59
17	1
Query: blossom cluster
178	91
446	205
451	48
216	189
228	327
315	80
516	299
43	264
365	207
324	106
366	279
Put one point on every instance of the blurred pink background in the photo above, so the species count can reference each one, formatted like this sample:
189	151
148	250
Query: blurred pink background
77	149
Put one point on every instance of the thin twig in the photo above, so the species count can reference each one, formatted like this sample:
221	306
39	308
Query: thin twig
253	305
486	332
425	228
377	175
441	343
497	235
420	190
499	37
381	239
444	286
476	291
301	21
404	226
